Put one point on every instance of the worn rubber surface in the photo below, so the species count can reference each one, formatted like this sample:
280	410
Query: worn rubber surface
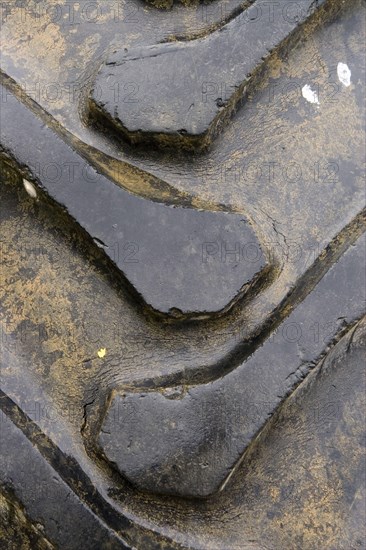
182	298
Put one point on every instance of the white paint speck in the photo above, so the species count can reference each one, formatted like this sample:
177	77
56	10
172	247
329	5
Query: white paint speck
310	95
344	74
29	187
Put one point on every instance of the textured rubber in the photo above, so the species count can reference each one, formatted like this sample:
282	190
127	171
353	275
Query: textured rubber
182	327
